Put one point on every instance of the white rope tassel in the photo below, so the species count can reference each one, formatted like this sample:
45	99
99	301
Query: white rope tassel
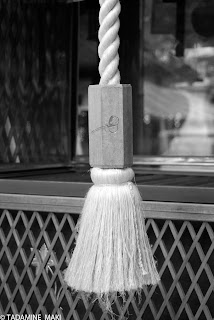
112	253
109	42
118	257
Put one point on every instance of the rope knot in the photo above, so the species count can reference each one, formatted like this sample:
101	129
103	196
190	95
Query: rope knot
111	176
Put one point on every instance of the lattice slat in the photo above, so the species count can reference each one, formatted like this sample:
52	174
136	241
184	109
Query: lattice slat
194	277
47	238
167	262
27	262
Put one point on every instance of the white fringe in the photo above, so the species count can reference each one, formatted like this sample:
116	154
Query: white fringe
112	252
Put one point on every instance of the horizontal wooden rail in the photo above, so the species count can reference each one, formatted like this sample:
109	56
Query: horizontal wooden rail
151	209
149	192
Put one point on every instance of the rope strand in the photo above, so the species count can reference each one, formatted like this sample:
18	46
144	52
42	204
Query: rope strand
109	42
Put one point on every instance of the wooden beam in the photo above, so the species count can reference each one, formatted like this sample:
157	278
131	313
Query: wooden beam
151	209
168	193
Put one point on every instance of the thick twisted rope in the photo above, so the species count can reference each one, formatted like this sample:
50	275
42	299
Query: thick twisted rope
109	42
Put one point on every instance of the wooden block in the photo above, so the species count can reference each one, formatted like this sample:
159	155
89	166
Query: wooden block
110	126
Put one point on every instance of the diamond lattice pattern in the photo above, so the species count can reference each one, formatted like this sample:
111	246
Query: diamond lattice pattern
35	249
34	83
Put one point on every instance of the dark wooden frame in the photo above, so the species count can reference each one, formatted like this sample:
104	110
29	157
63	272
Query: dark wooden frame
156	190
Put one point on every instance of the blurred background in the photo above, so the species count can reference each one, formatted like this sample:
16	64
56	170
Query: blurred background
167	54
48	58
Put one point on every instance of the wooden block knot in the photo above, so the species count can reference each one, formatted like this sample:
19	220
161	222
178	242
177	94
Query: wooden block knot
110	126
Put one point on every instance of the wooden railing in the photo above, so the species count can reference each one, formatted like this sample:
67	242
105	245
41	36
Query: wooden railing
37	236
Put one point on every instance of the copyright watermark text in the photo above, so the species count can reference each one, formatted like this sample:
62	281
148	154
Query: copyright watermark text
9	316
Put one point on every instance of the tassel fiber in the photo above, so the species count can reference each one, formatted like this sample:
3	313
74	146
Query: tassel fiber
112	252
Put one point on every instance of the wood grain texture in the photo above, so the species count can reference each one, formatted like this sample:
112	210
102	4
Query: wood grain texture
150	209
110	126
79	189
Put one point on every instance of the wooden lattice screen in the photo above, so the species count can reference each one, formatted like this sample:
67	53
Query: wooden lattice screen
35	86
35	248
